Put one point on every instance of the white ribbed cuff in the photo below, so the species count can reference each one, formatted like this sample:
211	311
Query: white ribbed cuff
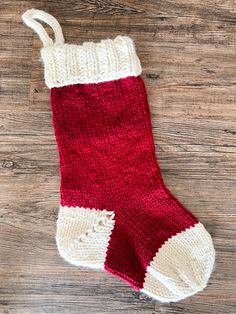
66	64
90	62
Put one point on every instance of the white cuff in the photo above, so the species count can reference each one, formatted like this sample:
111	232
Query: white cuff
90	62
66	64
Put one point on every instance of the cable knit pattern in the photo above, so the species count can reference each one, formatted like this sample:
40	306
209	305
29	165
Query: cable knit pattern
116	212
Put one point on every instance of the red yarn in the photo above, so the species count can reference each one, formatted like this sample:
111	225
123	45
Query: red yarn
107	161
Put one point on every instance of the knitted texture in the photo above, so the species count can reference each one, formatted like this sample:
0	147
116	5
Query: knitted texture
107	161
116	212
90	62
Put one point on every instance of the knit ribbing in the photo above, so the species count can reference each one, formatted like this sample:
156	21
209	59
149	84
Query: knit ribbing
90	62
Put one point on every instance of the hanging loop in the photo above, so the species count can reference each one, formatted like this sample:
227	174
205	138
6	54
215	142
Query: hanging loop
30	17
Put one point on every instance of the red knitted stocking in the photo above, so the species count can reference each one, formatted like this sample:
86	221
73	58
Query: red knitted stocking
116	212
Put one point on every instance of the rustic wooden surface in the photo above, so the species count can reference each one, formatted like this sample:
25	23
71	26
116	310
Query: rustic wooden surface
188	53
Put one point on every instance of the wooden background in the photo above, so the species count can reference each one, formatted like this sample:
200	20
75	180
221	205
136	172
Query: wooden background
188	53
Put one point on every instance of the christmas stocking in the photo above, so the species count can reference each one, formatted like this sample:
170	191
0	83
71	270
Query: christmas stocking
116	212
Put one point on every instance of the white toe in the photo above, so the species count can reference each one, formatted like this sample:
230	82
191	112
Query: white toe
182	266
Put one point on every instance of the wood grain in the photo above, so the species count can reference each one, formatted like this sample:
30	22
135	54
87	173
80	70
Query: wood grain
188	54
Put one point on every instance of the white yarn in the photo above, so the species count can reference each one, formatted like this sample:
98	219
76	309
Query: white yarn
66	64
29	19
90	62
83	234
182	266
